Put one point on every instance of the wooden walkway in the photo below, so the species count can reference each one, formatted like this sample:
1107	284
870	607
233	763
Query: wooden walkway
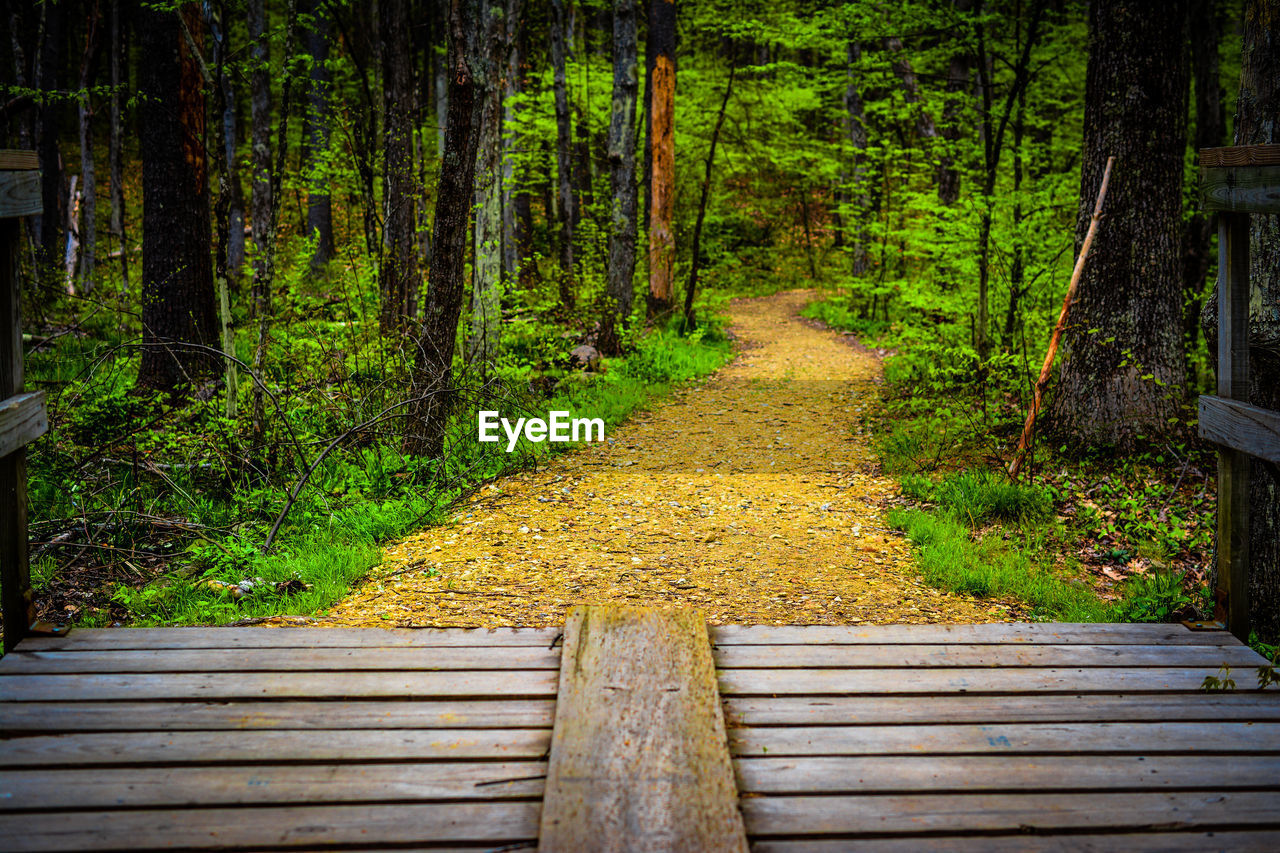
911	738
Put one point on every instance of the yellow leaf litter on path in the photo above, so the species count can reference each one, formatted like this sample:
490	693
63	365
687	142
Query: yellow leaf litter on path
752	495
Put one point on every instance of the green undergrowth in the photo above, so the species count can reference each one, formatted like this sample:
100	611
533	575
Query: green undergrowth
359	497
1091	537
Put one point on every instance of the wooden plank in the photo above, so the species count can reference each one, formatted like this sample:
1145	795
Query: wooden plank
275	685
479	658
638	756
19	194
1241	155
15	572
1240	189
894	813
904	710
984	655
306	827
996	632
1007	739
927	773
97	639
1231	594
1240	426
258	785
270	746
23	419
18	159
742	682
280	716
1261	841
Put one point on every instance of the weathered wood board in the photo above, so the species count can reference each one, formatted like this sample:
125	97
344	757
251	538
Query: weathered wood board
638	757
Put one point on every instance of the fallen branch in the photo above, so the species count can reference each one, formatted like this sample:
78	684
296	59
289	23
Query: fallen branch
1028	429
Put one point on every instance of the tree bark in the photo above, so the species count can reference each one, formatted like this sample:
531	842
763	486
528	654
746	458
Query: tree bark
1124	373
88	177
48	131
116	153
958	74
560	36
1211	130
177	280
661	157
622	179
855	116
400	272
1256	124
433	366
486	275
260	200
316	133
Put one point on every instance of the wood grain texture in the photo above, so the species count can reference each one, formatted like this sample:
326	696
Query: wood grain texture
96	639
850	682
1240	426
18	159
638	757
478	658
906	710
19	194
258	785
1261	841
23	419
278	716
1240	189
15	571
1007	739
1004	655
995	632
1241	155
296	827
893	813
921	773
74	750
275	685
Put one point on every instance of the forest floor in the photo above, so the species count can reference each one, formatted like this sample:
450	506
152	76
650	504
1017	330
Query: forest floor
753	495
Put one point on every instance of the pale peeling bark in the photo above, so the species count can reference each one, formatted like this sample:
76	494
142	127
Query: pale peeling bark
1123	374
662	243
622	178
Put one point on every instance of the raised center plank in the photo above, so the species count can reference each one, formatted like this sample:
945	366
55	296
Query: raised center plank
639	760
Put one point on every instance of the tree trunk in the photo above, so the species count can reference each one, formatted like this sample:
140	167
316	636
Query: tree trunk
260	200
690	321
177	280
1123	373
400	272
316	134
433	365
622	179
957	82
88	178
1256	124
512	141
560	35
1211	130
116	154
486	276
857	130
661	159
48	130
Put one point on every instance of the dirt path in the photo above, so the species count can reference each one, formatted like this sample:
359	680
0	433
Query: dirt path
752	496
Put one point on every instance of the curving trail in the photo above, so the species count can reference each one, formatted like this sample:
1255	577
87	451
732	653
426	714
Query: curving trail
753	496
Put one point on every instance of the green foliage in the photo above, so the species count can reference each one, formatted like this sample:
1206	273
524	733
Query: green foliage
1155	597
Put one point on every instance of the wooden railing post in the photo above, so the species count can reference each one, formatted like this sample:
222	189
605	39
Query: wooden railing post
1231	597
22	417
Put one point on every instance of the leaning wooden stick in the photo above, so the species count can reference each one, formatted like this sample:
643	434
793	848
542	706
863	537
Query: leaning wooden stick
1029	427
